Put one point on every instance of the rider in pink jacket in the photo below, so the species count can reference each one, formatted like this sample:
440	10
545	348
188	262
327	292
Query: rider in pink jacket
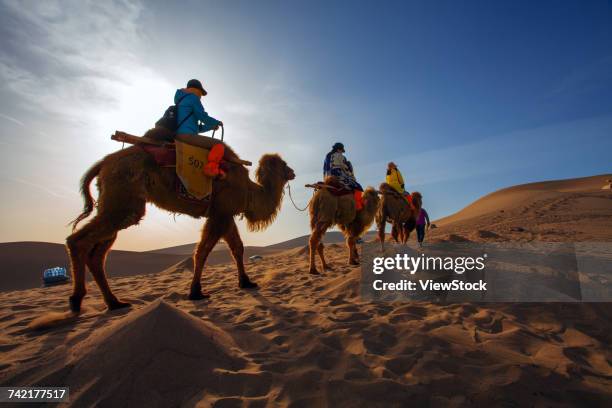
422	220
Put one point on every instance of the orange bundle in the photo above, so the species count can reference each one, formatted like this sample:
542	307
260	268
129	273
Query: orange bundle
358	199
212	168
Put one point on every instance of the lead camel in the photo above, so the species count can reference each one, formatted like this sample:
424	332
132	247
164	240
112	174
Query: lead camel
129	179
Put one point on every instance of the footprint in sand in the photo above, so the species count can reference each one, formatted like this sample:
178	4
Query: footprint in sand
271	328
174	296
401	365
280	340
379	343
402	318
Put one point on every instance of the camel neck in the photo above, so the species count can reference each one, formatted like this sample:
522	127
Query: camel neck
264	202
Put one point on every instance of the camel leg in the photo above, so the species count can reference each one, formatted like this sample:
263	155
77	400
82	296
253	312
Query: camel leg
96	263
82	251
211	233
395	232
232	237
382	224
313	244
321	252
403	234
352	248
77	268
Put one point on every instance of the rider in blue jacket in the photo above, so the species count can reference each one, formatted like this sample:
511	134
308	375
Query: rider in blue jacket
191	116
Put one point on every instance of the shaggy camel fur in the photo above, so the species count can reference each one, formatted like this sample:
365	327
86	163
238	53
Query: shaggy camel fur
395	208
129	178
327	210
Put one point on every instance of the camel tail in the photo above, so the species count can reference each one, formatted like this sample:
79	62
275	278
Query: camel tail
87	198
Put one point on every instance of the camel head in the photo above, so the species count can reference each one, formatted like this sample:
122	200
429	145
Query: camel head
417	199
272	175
371	200
273	169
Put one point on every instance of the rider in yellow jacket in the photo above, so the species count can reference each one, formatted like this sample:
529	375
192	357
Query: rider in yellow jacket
394	178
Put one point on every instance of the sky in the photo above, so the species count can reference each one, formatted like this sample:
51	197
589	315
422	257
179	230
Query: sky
466	97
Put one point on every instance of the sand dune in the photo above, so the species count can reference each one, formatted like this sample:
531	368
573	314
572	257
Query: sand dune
564	210
24	262
524	195
187	249
158	355
313	341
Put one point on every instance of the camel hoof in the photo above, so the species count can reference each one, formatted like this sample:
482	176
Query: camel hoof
198	295
328	268
118	305
314	272
354	263
75	303
247	285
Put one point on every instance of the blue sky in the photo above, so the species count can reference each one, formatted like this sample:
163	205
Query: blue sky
467	97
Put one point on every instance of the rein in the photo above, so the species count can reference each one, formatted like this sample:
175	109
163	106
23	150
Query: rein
293	202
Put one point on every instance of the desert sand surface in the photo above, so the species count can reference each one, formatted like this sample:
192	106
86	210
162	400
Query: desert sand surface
313	341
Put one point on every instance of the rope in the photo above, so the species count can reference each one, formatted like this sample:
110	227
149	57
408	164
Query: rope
293	202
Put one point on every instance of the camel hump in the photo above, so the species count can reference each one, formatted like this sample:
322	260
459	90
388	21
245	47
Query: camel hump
329	208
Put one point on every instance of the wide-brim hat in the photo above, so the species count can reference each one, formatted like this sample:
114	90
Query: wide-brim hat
194	83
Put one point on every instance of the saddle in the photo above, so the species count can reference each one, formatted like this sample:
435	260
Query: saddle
335	188
388	190
196	166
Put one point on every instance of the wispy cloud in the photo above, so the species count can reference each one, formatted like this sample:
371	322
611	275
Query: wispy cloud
45	189
588	77
74	58
12	119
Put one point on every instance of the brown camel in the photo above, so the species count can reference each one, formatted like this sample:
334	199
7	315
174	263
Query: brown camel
129	178
327	210
395	208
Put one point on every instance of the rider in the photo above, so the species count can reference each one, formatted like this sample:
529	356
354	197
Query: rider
341	169
193	119
335	158
394	179
191	116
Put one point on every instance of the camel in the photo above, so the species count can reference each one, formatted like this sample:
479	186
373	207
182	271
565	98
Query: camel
327	210
129	179
395	208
